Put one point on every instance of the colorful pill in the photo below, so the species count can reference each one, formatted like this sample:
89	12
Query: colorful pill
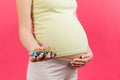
36	54
32	53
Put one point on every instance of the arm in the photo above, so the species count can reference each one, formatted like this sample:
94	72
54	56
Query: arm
25	25
25	30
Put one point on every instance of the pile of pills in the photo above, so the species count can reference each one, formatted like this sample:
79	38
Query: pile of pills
36	52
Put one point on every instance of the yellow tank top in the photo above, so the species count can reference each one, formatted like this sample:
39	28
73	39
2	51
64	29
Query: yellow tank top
55	24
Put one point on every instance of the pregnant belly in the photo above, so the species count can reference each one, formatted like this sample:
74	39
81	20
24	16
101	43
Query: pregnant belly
66	34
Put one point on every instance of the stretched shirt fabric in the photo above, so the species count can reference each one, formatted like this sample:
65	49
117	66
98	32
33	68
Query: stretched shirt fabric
55	24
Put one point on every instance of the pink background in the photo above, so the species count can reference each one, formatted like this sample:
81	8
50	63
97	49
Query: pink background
101	20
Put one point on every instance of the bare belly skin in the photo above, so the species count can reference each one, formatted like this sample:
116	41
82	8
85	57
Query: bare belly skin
71	57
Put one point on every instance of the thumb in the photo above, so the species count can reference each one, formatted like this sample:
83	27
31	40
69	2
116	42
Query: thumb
83	56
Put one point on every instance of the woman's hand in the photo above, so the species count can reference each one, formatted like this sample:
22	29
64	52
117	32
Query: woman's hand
40	57
82	60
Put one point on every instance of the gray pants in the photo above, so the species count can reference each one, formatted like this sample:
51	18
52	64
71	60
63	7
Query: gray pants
52	69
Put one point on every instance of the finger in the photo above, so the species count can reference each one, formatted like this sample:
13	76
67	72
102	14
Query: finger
44	58
77	66
48	56
86	60
84	56
77	63
81	60
39	58
32	58
76	60
87	55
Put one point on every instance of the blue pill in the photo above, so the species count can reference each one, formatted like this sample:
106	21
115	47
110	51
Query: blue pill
32	53
36	54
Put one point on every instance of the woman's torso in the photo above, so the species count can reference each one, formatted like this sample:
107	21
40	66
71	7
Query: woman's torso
55	24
